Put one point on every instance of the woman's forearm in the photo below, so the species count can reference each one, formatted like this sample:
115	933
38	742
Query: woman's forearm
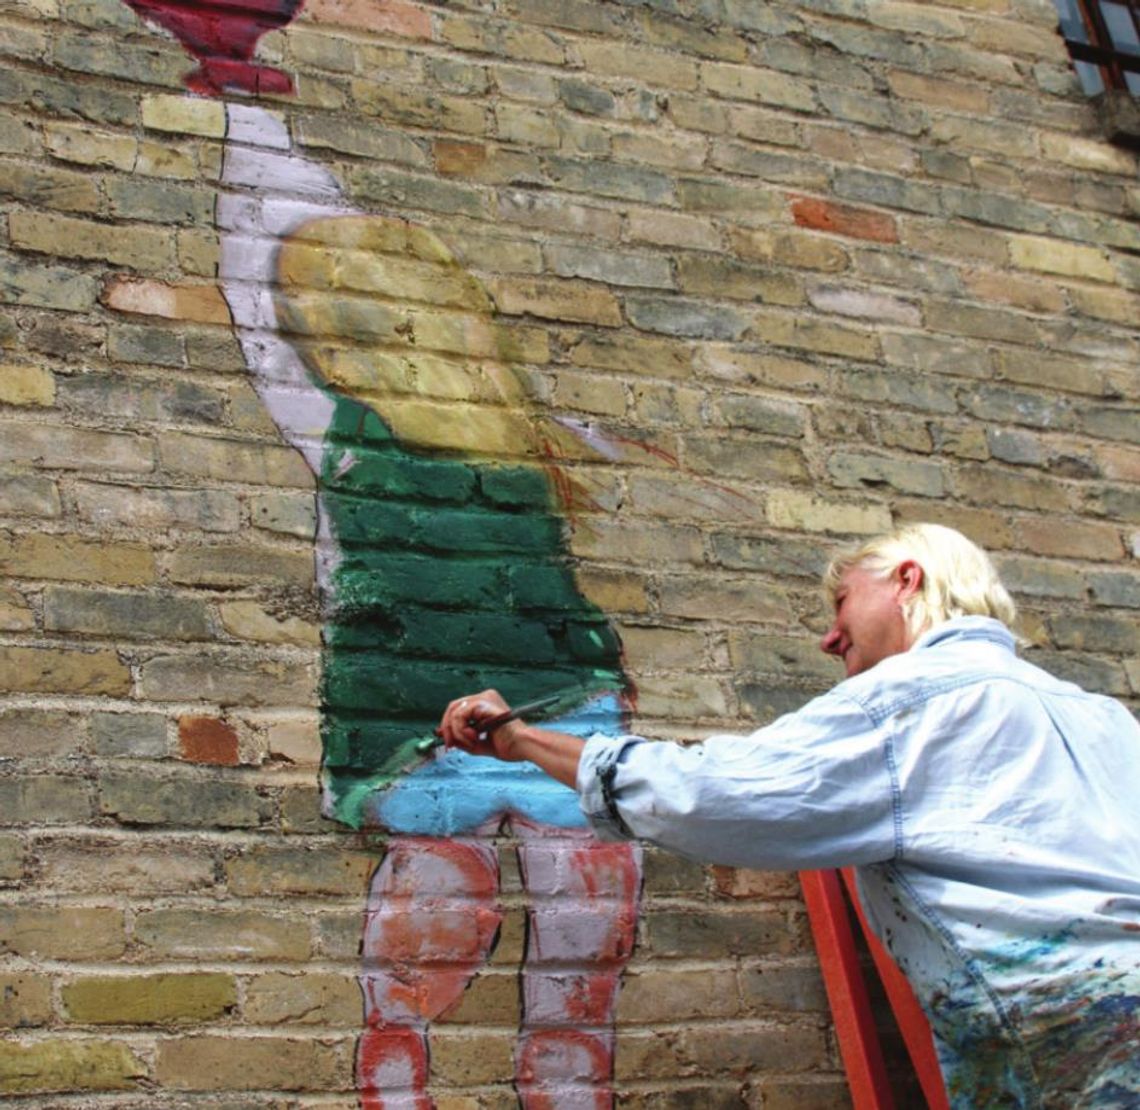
482	724
557	753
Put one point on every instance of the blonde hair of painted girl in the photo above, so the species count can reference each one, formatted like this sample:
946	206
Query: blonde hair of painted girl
959	580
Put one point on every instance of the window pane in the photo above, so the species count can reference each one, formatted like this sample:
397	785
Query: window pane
1090	78
1072	24
1132	80
1118	19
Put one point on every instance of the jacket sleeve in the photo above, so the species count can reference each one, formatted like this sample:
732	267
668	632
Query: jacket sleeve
814	789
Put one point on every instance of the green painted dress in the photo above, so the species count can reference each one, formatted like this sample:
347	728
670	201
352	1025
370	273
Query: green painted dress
452	576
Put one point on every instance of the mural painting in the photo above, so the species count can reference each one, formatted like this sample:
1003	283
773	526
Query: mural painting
442	566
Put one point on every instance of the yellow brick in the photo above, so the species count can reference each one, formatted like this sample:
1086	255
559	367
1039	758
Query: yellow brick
519	123
135	245
1017	37
701	597
1108	304
557	300
307	999
62	932
954	95
79	143
185	115
1088	154
106	868
650	543
68	1066
165	160
591	393
674	995
1053	256
295	740
25	1000
814	335
661	358
1118	462
1073	539
235	460
614	591
470	1057
254	1063
808	252
802	511
680	697
62	671
198	252
491	999
26	385
990	529
149	999
16	614
733	365
671	229
48	9
277	871
249	621
666	647
1032	294
989	486
70	559
615	58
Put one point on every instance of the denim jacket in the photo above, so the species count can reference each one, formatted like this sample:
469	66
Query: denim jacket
993	815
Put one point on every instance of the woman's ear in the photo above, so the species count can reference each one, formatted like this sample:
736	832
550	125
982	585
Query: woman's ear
910	577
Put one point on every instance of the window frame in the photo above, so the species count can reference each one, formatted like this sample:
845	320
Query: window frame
1116	105
1112	62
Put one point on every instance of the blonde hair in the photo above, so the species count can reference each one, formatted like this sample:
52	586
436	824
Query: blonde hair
958	579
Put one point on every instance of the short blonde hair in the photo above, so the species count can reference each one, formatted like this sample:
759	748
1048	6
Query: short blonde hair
958	578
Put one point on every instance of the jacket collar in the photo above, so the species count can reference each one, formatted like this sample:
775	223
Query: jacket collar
967	628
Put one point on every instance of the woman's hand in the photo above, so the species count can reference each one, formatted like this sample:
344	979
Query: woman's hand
462	727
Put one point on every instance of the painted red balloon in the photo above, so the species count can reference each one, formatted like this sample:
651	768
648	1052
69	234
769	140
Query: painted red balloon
222	35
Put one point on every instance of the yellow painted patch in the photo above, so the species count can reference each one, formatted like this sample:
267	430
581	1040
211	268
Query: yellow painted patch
383	312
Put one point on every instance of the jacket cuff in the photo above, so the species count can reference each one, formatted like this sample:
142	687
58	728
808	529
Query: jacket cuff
597	770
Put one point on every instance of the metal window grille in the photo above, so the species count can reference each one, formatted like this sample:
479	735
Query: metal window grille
1103	37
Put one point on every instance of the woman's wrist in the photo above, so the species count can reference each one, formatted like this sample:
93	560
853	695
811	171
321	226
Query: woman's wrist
557	753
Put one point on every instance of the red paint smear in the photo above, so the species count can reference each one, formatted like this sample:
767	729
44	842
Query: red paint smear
606	870
222	35
549	1046
393	1046
590	999
437	940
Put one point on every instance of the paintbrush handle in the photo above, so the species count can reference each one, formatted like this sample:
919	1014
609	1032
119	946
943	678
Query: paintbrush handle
489	726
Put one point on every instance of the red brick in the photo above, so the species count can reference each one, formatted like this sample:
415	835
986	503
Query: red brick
208	740
857	223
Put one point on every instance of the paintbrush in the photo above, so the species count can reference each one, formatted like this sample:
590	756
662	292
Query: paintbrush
514	714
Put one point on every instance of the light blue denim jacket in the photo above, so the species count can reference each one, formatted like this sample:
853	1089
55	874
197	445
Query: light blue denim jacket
993	814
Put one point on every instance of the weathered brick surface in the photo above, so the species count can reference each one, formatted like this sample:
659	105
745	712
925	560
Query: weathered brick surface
149	999
804	270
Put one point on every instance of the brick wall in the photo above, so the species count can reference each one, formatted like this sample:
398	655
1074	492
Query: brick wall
759	277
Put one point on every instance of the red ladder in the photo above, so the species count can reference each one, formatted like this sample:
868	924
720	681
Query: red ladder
847	994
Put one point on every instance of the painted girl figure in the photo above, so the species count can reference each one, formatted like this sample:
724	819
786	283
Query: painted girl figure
442	565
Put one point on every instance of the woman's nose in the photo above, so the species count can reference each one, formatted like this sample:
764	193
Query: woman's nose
829	644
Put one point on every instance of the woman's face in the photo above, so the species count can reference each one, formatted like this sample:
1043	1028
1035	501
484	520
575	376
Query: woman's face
869	623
